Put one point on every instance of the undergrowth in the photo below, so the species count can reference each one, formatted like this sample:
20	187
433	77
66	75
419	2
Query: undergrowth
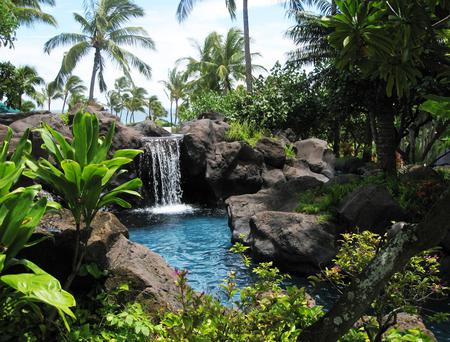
245	131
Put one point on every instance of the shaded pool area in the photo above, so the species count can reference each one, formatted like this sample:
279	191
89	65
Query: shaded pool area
198	240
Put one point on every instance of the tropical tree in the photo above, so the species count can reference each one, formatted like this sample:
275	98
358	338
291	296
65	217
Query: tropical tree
185	7
27	79
103	31
220	63
176	88
135	102
51	91
72	85
155	108
113	101
82	176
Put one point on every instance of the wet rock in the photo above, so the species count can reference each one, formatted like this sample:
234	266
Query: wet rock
296	242
272	151
370	208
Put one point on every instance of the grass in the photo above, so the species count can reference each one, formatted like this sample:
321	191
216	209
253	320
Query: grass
245	131
289	150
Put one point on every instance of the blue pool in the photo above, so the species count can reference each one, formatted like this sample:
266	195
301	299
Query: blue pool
198	240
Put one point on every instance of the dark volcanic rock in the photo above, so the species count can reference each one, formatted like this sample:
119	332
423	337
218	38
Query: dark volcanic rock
317	155
299	170
282	197
148	276
273	177
149	128
370	208
272	151
297	242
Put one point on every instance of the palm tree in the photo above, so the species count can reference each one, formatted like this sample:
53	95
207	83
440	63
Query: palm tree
103	32
135	102
49	92
72	85
113	101
221	62
176	87
185	7
28	12
155	108
27	80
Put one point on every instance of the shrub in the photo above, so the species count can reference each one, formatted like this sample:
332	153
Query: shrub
406	291
246	131
289	150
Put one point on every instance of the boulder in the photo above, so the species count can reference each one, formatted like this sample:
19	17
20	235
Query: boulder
317	155
271	177
149	128
34	121
55	254
125	136
148	276
420	173
8	118
299	170
281	197
272	151
349	164
297	242
370	208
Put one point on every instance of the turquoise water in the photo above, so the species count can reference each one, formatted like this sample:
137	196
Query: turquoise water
199	241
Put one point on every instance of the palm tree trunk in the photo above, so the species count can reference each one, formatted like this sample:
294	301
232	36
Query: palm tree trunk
248	56
333	7
171	110
386	139
176	110
126	117
64	102
49	103
94	73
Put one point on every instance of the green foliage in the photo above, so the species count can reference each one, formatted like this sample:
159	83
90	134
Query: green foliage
20	213
245	131
289	150
8	23
83	173
413	335
439	106
406	291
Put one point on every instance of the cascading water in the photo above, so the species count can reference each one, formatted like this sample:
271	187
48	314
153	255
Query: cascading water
161	173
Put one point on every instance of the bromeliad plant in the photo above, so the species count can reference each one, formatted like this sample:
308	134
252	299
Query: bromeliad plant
82	175
19	215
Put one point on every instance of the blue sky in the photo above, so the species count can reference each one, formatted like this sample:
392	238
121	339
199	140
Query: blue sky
268	23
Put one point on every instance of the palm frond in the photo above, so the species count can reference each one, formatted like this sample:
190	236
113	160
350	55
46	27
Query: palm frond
64	39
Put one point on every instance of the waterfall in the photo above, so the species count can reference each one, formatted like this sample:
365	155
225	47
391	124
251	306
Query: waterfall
160	171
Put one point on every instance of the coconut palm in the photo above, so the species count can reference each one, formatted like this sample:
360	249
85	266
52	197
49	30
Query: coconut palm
221	62
135	102
103	31
72	85
155	108
27	80
176	90
113	101
29	12
51	91
185	7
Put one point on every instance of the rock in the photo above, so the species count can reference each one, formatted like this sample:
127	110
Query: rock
299	170
344	179
125	137
317	155
34	121
297	242
55	254
7	119
370	208
281	197
420	173
213	169
407	321
273	177
272	151
148	276
349	164
149	128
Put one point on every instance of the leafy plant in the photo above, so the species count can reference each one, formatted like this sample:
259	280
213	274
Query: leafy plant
406	291
82	175
245	131
20	213
289	150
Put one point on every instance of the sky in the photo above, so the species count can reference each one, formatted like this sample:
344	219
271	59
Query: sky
268	24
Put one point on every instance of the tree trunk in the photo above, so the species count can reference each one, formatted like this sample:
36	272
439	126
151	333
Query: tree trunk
386	139
333	7
64	102
336	137
392	257
171	111
94	73
248	56
49	104
367	153
176	110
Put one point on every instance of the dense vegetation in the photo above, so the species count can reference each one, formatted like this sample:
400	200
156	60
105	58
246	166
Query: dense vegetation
378	91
